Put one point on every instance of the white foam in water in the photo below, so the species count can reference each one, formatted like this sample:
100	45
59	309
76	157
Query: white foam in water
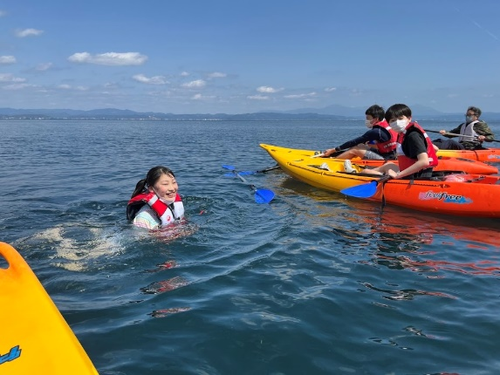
75	255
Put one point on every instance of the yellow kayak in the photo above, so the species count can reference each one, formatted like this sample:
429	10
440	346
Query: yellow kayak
446	163
34	338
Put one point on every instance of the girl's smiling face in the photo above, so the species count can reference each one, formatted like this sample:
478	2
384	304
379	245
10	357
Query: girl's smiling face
165	187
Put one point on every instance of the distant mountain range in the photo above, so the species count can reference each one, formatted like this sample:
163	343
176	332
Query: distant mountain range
330	112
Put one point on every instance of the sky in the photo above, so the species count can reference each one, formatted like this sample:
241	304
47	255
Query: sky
245	56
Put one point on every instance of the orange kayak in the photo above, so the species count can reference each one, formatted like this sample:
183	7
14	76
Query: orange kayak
35	338
491	155
475	196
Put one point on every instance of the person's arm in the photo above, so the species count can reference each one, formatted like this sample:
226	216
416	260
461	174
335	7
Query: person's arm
370	135
414	147
484	131
454	131
421	163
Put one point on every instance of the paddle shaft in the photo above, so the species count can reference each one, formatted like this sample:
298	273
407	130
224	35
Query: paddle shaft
245	181
268	169
261	195
456	135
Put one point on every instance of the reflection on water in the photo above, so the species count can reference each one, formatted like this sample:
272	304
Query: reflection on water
404	239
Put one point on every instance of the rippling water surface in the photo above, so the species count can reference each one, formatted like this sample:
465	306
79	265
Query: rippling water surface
313	283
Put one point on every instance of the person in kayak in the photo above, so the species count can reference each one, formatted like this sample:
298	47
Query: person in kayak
473	133
416	153
378	143
155	201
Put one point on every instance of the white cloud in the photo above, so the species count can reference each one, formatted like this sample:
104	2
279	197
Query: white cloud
202	97
268	89
28	32
184	74
217	75
17	86
300	96
330	89
155	80
44	66
65	86
5	60
7	77
109	58
258	97
199	83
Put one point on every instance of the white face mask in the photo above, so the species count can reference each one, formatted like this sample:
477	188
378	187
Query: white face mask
399	125
368	124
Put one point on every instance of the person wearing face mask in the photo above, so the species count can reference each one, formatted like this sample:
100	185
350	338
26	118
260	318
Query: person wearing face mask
416	153
474	132
155	201
378	143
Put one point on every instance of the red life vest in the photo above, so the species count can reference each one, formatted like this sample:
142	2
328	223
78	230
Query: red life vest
166	213
390	145
403	160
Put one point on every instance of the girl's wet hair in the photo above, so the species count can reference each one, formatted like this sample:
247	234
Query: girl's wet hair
397	110
152	177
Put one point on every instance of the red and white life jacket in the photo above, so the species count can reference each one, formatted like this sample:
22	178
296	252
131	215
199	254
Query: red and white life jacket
403	160
390	145
167	213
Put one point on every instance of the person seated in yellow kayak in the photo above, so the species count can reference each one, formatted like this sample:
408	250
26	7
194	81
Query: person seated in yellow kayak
378	143
155	201
473	132
416	153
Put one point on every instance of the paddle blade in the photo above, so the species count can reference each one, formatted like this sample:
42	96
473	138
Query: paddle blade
246	173
361	191
229	167
263	196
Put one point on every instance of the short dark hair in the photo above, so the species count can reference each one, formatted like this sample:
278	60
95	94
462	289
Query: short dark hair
397	110
476	110
376	111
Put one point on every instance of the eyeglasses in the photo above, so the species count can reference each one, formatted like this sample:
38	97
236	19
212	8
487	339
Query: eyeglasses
471	114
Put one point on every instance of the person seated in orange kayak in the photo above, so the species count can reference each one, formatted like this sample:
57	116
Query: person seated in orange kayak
416	153
378	143
155	201
473	133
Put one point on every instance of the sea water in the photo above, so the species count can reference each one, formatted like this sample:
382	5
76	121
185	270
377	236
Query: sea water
312	283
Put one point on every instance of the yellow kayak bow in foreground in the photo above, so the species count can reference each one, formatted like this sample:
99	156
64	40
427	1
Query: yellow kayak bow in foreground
34	337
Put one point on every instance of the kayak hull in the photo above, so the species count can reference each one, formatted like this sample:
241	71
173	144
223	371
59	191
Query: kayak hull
474	198
491	155
34	338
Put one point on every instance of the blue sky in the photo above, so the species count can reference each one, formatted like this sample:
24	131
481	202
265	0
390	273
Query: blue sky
200	56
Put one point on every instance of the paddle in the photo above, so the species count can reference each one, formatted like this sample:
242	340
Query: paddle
457	135
261	195
247	173
365	190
